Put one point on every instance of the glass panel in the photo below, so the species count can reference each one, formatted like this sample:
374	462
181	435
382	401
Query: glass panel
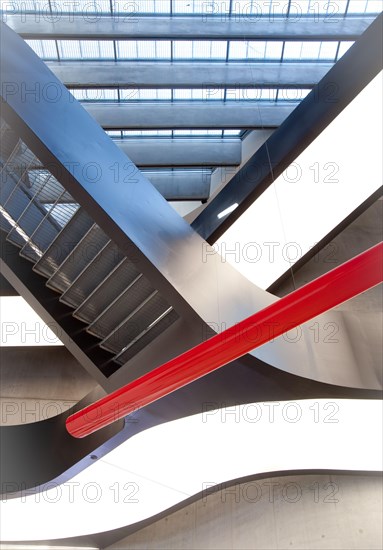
182	49
75	7
197	133
45	49
273	49
143	49
232	132
93	49
126	49
328	50
201	6
98	94
310	7
146	133
114	133
357	6
36	46
135	94
202	94
374	6
292	50
250	94
255	8
309	50
238	50
141	7
69	49
209	49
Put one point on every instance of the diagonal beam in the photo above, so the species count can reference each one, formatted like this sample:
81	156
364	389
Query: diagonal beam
361	63
66	27
97	173
208	75
174	185
139	221
332	289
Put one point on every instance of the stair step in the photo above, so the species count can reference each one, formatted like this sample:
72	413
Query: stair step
146	337
107	291
80	257
93	275
78	224
31	215
123	305
135	323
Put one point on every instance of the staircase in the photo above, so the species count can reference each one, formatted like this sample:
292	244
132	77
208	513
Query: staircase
103	288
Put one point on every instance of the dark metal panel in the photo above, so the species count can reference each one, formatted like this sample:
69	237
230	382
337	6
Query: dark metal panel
190	114
79	153
174	185
208	75
220	28
347	78
55	314
179	185
6	289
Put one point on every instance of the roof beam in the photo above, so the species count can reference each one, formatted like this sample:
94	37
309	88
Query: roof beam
200	28
181	185
182	152
207	75
234	114
178	185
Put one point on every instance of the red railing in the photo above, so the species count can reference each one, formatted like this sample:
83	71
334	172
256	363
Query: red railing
342	283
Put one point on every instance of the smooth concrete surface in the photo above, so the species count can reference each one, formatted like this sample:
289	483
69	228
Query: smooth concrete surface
208	75
361	317
238	26
294	512
38	383
182	151
192	114
223	174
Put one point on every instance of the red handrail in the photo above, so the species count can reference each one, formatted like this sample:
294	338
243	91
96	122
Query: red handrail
338	285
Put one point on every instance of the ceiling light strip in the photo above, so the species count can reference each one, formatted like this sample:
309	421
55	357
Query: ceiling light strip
331	289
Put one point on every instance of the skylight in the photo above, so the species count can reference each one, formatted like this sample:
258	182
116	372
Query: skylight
204	8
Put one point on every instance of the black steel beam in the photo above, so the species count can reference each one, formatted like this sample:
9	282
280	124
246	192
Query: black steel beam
334	92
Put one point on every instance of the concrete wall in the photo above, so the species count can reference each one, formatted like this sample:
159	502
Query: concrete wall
295	512
39	382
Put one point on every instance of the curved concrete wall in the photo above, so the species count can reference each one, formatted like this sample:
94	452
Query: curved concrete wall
293	512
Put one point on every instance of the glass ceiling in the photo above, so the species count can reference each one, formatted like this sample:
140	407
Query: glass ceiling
124	134
174	51
125	95
197	7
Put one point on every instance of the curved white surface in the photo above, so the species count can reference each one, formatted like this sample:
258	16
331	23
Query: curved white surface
165	465
339	170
